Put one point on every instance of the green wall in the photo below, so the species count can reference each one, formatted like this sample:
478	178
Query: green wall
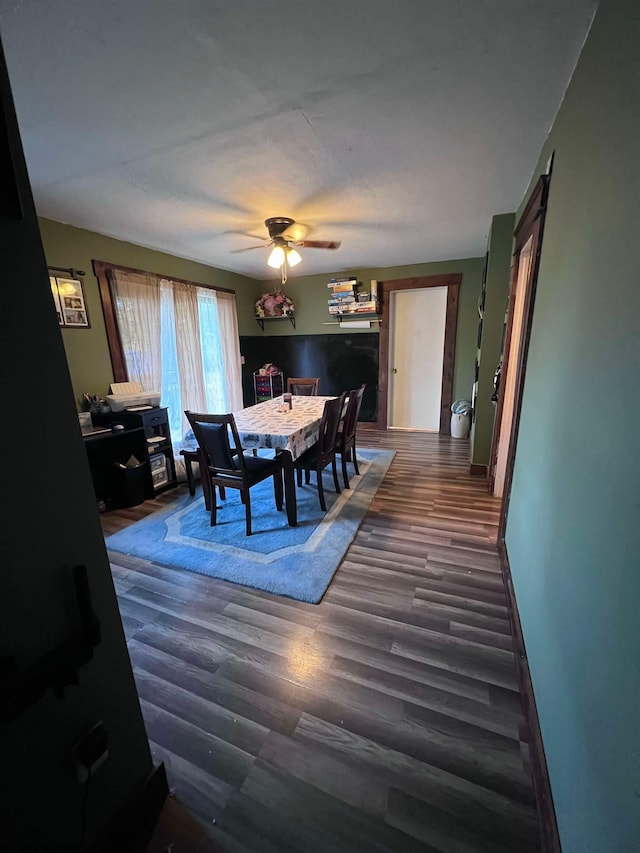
87	350
573	532
498	268
310	294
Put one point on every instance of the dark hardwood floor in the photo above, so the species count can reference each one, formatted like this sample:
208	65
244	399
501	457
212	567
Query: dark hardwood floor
385	718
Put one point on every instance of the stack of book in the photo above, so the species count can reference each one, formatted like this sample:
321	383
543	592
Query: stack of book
344	298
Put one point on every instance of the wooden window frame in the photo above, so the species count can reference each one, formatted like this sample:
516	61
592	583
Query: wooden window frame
103	271
385	288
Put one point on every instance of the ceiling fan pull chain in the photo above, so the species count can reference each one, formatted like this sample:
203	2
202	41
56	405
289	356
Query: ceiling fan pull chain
284	270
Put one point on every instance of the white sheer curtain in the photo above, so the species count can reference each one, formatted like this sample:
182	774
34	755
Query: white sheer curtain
137	299
230	341
183	382
182	340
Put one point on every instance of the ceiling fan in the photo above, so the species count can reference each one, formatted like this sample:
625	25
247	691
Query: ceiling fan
284	254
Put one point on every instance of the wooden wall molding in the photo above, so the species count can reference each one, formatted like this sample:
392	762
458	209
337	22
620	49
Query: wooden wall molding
550	837
385	288
477	470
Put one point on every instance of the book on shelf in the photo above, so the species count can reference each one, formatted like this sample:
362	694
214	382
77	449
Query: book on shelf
341	297
354	308
340	282
343	288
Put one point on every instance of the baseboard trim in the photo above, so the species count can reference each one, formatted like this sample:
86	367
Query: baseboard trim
548	824
132	827
478	470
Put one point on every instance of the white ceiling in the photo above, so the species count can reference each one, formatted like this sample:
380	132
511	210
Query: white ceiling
397	126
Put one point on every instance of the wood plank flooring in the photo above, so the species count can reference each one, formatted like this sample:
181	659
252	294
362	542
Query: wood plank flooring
385	718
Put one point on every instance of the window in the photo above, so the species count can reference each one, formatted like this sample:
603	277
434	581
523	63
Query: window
175	337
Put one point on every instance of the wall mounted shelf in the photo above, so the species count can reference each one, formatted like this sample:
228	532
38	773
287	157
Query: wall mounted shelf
346	319
261	320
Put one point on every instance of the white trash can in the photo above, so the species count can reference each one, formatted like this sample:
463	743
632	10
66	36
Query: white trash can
460	419
460	425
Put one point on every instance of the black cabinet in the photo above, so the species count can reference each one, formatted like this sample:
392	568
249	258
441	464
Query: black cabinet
158	447
108	452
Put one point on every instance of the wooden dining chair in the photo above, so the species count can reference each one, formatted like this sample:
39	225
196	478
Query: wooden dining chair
323	452
346	439
302	387
226	464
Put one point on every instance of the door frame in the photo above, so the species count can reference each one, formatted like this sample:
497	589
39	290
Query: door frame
385	289
530	225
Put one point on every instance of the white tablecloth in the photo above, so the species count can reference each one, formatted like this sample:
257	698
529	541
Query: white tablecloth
295	430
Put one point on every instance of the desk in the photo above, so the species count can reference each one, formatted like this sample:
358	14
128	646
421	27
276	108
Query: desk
289	433
159	450
105	448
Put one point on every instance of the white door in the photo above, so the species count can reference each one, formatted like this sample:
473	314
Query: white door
416	356
509	379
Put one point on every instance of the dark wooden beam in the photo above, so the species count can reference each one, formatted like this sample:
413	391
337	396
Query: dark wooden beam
102	272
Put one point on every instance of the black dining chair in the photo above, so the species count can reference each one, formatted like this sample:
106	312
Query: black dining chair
323	452
346	439
226	464
302	387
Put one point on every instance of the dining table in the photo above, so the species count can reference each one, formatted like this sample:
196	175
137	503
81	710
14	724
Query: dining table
289	431
274	426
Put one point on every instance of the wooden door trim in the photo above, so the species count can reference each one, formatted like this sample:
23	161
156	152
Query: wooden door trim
497	422
452	282
530	225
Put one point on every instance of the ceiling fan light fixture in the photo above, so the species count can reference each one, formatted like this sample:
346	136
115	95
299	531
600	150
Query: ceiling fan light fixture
276	258
293	257
282	255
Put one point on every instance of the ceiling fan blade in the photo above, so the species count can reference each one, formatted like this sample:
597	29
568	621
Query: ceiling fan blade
296	232
249	248
246	234
320	244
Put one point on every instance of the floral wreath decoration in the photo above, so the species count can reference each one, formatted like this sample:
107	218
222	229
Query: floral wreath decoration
276	304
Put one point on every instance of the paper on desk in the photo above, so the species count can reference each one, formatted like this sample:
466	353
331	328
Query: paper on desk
131	462
119	389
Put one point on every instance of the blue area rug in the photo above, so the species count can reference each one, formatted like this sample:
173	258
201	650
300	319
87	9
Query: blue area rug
297	562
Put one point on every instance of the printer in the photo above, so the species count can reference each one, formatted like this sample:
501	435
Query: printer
129	395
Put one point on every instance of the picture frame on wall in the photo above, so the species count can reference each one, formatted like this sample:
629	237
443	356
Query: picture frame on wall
71	307
56	299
